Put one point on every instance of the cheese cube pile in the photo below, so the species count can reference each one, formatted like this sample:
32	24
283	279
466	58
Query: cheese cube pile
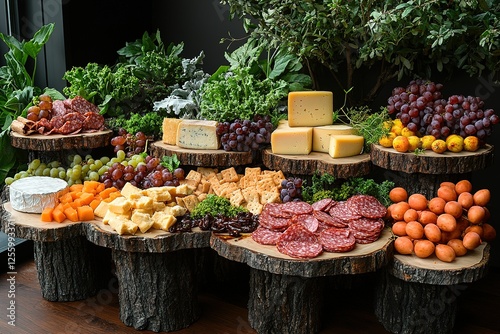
309	128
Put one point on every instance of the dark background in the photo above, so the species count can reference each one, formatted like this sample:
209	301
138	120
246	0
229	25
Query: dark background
92	31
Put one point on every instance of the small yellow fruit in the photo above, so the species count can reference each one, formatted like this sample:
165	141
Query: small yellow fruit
387	125
386	141
427	141
414	143
398	122
407	132
397	129
454	143
471	143
401	144
438	146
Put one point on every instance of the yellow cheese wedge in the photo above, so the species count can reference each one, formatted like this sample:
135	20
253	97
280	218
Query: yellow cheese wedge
310	108
169	128
296	140
321	135
283	124
342	146
200	135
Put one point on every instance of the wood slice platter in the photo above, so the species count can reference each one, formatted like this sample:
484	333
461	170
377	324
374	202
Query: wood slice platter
364	258
57	142
29	226
153	241
355	166
464	269
204	158
430	162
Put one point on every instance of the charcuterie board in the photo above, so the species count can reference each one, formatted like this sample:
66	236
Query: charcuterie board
429	162
363	258
354	166
212	158
58	142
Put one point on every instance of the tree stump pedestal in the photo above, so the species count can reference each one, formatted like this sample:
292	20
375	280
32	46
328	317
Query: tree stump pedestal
286	294
421	295
156	273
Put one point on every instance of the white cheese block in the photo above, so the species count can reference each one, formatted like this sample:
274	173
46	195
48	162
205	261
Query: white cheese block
342	146
198	135
310	108
296	140
321	135
33	194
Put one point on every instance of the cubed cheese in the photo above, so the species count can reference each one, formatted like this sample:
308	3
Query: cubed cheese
120	205
200	135
169	128
342	146
129	189
310	108
283	123
163	221
321	135
143	202
296	140
101	209
143	220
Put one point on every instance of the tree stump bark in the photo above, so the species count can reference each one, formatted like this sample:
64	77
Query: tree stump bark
156	291
343	168
67	270
412	298
284	304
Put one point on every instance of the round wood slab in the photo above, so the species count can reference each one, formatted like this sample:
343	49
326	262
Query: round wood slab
364	258
153	241
430	162
57	142
204	158
464	269
354	166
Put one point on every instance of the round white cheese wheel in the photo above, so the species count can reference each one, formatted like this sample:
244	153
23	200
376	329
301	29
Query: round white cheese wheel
33	194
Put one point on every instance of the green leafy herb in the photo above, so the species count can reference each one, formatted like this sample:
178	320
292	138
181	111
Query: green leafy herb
215	205
170	162
149	123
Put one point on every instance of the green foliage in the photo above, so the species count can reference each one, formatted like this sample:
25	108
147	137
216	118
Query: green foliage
149	123
404	37
215	205
171	162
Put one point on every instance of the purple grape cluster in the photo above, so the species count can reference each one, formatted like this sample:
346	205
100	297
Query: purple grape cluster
291	189
423	110
130	143
245	135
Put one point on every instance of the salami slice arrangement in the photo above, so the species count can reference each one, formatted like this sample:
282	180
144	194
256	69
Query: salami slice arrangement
303	230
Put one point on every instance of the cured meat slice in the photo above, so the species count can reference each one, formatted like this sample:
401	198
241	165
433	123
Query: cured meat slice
365	240
273	223
366	206
342	211
73	123
367	225
297	207
337	240
93	121
329	220
323	204
56	122
276	210
309	221
299	242
58	108
81	105
265	236
43	126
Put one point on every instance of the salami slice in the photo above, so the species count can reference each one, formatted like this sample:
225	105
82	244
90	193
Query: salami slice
365	240
342	211
337	240
273	223
56	122
329	220
58	108
93	121
367	225
276	210
43	126
299	242
81	105
265	236
309	221
297	207
323	204
366	206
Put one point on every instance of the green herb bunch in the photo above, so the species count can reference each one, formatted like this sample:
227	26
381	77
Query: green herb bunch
215	205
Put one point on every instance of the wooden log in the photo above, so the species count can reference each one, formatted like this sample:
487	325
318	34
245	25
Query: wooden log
284	304
156	291
355	166
421	295
204	158
57	142
66	269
